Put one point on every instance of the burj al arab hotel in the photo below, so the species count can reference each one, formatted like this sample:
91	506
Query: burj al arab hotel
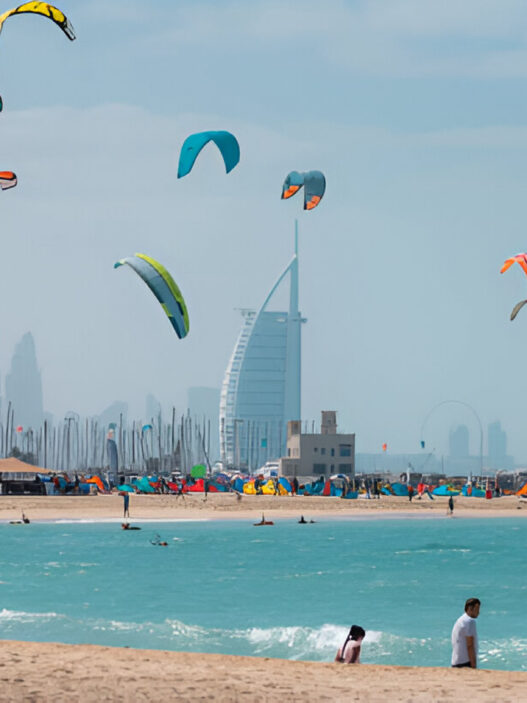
261	387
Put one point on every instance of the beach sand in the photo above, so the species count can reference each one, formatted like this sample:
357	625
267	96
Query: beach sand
40	672
227	506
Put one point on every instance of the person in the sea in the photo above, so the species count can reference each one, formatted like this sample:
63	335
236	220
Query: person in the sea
127	526
451	505
465	637
25	519
126	505
302	521
349	653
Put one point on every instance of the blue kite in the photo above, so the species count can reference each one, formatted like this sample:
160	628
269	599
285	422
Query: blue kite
192	146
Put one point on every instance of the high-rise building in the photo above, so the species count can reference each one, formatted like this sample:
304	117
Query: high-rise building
203	406
23	385
261	386
497	444
458	440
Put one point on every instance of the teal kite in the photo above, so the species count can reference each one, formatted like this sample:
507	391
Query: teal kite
192	146
163	286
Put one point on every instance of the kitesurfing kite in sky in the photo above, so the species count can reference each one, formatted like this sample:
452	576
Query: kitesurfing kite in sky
225	141
314	183
520	259
8	179
163	286
44	9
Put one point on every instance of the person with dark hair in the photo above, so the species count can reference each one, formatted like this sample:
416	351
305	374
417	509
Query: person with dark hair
464	636
294	486
349	653
126	504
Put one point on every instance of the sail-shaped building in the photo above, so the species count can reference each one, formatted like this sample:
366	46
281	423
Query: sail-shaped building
261	387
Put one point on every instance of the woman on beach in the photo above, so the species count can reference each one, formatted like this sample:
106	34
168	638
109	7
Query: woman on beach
349	653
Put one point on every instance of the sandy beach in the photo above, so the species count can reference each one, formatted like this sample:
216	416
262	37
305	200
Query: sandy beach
227	506
40	672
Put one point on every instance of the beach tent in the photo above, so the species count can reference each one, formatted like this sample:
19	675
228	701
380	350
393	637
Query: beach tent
522	491
126	487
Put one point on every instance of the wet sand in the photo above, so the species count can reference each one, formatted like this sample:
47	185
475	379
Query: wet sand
40	672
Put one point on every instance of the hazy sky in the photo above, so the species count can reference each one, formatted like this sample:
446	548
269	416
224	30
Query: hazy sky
415	110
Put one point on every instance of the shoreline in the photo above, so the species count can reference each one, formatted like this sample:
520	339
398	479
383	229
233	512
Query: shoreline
123	674
226	506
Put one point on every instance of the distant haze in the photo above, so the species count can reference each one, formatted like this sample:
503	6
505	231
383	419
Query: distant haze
414	111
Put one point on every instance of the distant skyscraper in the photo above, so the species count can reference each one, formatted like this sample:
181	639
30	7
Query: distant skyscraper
152	408
203	405
113	414
23	384
261	387
497	443
459	441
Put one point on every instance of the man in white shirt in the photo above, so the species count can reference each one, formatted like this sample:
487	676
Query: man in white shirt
464	636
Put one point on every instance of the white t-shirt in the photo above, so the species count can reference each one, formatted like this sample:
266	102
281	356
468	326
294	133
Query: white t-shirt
464	627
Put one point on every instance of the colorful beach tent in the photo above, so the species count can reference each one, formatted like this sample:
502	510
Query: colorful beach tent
522	491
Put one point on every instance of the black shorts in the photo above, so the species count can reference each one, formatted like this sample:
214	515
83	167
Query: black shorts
461	666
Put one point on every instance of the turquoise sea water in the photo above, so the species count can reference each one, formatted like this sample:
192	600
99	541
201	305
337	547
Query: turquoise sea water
286	591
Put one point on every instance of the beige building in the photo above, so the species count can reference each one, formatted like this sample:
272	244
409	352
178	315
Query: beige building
321	454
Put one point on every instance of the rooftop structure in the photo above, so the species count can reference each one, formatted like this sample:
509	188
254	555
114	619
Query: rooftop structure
323	454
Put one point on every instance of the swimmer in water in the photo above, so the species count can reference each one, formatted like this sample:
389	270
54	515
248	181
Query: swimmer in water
157	542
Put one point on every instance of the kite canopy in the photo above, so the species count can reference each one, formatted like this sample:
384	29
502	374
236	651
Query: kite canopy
163	286
44	9
314	183
192	146
198	471
516	309
8	179
519	258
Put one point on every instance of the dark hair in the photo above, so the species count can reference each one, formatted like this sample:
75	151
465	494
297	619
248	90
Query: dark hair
356	632
471	602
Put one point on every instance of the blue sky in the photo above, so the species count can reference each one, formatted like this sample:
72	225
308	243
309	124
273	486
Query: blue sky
415	111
